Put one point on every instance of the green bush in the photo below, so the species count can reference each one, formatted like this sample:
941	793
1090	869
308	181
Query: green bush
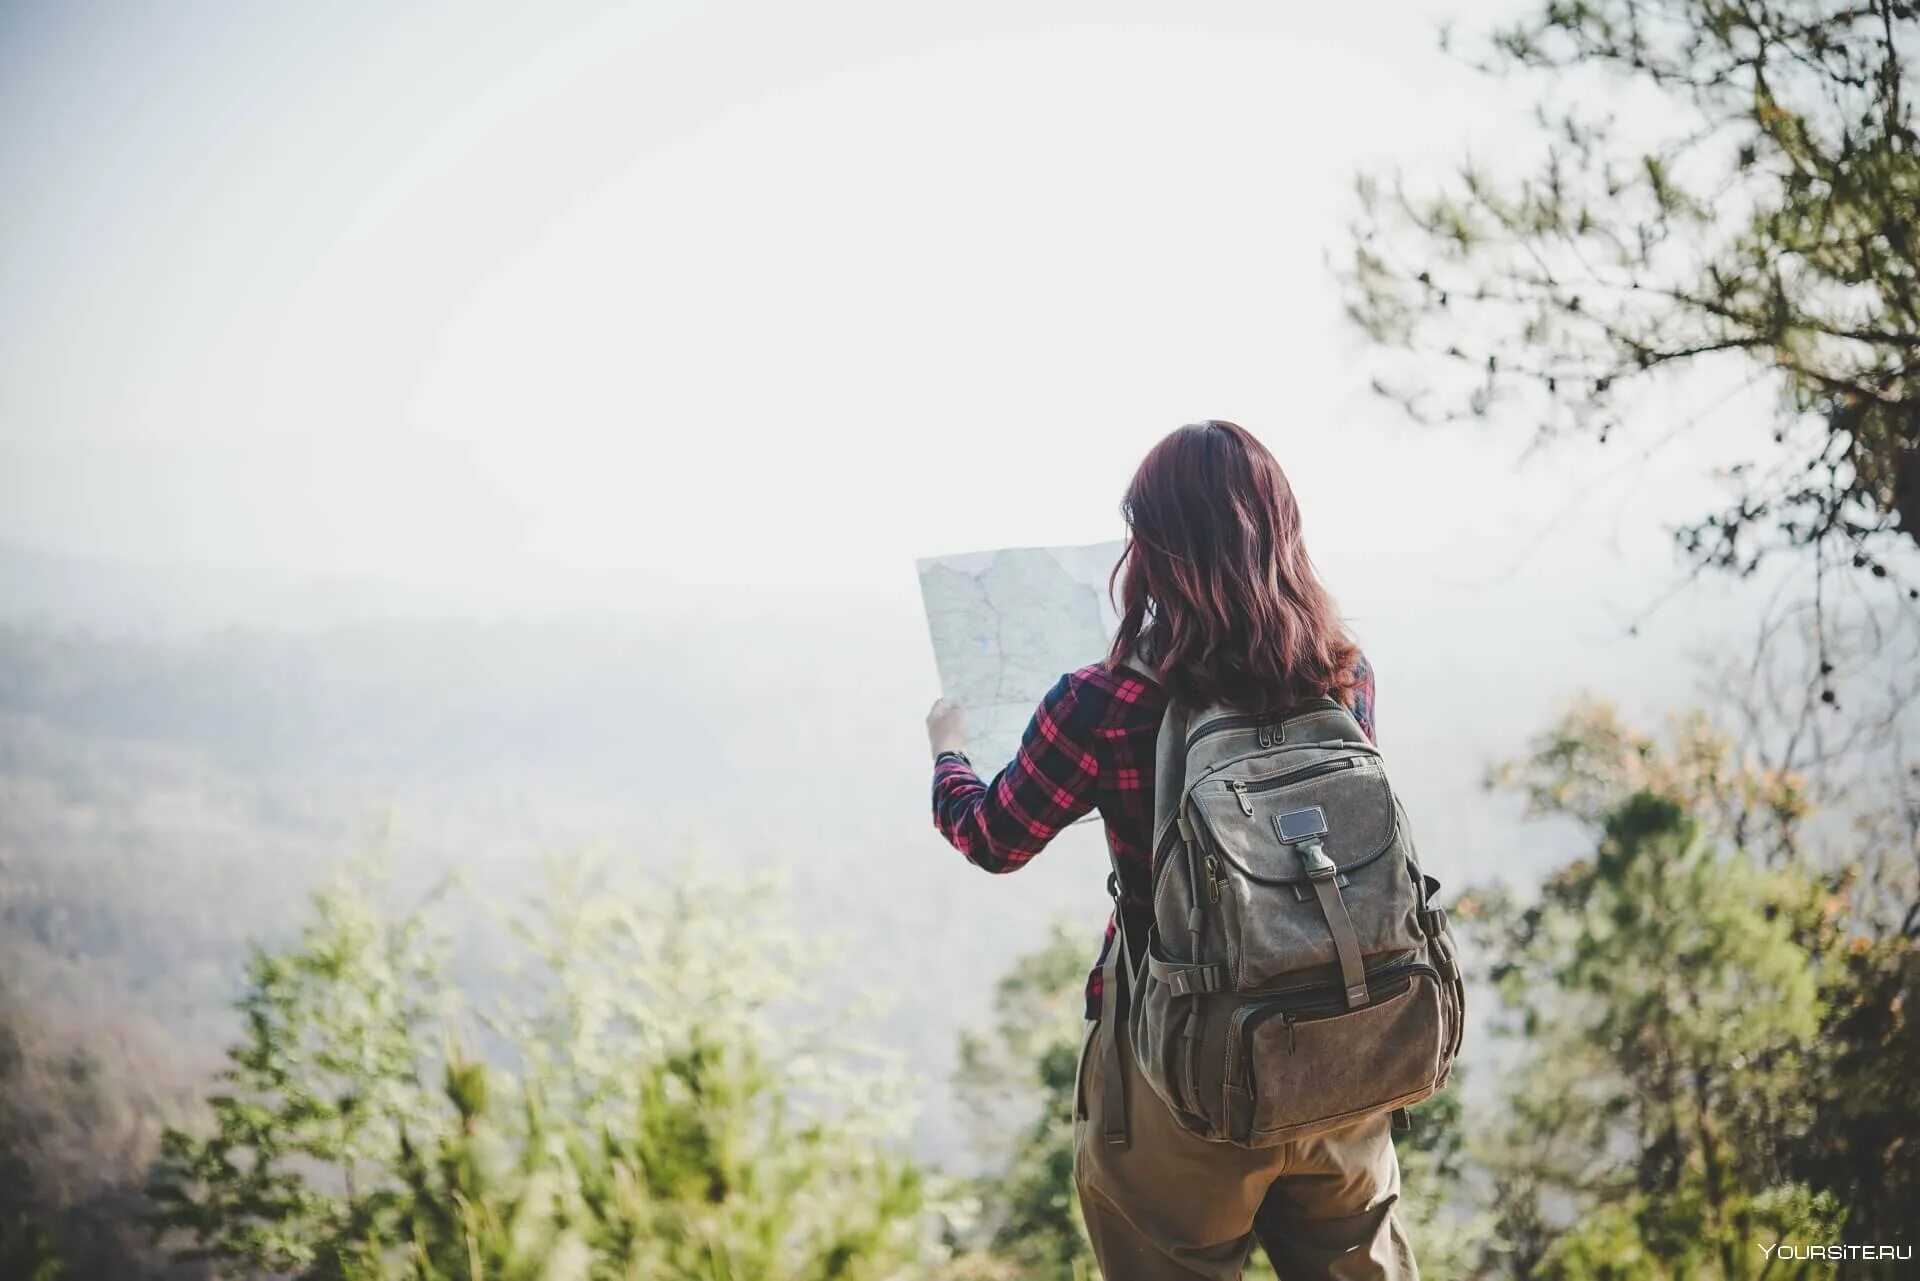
668	1114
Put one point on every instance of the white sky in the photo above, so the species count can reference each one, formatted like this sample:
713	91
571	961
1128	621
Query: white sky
760	299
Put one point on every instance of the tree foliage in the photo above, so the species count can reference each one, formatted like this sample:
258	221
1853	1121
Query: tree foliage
1751	202
330	1073
1710	1047
1016	1081
1672	1012
669	1115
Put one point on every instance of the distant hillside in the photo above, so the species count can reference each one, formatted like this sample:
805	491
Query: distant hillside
161	799
61	590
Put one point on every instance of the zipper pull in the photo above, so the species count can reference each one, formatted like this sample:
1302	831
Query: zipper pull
1212	864
1240	794
1292	1024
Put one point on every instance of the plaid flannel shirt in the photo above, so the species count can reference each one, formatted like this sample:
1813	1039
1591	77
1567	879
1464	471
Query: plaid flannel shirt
1090	745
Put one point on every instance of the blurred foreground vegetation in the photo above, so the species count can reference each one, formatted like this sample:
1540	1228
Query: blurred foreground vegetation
640	1112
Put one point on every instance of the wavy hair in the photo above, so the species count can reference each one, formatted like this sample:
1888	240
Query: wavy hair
1215	590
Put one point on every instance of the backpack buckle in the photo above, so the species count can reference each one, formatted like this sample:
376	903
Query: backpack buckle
1305	830
1314	855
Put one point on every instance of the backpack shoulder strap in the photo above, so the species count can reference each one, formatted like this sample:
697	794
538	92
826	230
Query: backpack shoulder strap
1169	757
1170	769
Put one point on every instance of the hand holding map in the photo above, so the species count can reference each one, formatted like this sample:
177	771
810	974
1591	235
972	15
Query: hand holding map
946	726
1006	624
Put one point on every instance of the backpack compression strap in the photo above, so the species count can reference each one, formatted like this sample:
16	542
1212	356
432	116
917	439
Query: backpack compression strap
1325	878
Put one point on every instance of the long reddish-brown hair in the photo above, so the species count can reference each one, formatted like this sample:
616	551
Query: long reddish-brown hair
1216	593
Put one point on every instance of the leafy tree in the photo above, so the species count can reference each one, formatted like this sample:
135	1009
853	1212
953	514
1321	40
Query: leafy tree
1445	1227
1671	1011
28	1250
66	1127
475	1199
1017	1083
721	1178
1750	202
1712	1052
316	1095
1866	1084
722	1123
1590	761
647	1132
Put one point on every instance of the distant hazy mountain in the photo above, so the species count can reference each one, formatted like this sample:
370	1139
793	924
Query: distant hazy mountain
120	597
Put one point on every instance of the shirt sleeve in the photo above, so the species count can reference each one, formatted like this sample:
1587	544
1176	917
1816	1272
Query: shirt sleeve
1049	783
1363	698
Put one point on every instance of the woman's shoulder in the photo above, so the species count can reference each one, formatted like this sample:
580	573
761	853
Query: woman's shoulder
1101	683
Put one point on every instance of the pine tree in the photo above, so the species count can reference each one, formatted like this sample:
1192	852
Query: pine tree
1728	188
1667	998
294	1177
648	1133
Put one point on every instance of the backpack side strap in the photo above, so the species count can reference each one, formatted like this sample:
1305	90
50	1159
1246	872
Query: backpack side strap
1113	1082
1184	979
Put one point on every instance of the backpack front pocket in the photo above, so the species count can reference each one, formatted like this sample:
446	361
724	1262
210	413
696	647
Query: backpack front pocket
1272	926
1295	1069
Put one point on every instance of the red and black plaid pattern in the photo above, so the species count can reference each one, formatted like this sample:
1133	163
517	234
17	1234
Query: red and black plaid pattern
1090	745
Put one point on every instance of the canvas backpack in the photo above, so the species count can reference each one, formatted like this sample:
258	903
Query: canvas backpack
1297	975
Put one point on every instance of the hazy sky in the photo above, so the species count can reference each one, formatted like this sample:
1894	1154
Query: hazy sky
763	299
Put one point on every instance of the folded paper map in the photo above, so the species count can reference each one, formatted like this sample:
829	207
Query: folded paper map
1006	625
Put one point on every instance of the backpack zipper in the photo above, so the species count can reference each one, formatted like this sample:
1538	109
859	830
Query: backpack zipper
1328	1000
1286	778
1325	745
1240	794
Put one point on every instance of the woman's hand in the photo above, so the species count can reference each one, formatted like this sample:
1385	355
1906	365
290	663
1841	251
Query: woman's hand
946	726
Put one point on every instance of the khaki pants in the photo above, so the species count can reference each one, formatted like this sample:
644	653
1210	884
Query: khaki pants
1171	1205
